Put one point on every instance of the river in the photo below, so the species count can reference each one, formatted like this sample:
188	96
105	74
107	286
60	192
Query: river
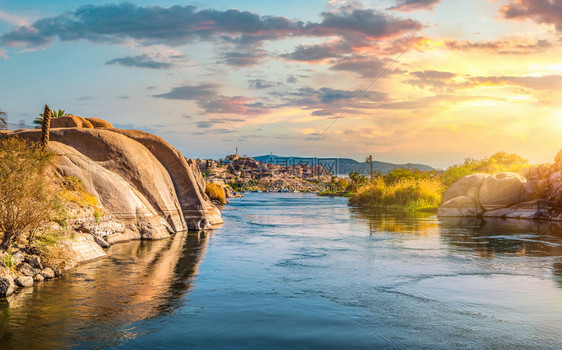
297	271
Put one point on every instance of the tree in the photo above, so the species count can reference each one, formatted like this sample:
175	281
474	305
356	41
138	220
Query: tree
45	127
3	121
27	198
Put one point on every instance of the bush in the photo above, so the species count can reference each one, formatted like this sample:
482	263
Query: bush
497	163
216	192
27	198
408	193
425	189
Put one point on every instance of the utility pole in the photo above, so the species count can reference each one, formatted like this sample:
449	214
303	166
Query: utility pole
370	160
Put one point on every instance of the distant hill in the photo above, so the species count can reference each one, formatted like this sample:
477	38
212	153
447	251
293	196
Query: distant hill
348	165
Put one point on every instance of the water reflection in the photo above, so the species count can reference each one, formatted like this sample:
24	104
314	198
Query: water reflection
491	236
98	304
485	238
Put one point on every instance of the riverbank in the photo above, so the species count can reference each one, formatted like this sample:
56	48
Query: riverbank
79	185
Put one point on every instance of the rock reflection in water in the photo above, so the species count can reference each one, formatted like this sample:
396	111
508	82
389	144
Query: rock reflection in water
485	238
99	302
503	236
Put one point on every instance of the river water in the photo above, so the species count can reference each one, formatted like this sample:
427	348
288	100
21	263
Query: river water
297	271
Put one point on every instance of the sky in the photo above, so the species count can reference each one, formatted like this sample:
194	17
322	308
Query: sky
424	81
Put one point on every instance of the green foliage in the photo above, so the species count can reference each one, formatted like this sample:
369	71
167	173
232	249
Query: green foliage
9	260
216	192
400	174
425	189
54	114
497	163
341	185
26	196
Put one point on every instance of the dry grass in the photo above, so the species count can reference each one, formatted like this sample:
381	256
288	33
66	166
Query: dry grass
27	197
73	191
410	193
216	192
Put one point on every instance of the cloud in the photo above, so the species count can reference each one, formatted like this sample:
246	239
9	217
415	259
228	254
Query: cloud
261	84
448	81
196	92
367	23
211	101
314	53
414	5
326	101
206	124
547	82
366	67
180	25
242	59
503	47
540	11
432	79
141	61
427	102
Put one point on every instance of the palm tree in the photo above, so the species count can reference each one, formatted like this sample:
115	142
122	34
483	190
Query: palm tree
54	114
3	121
45	127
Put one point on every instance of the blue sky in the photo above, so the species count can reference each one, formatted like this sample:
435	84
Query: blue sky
481	76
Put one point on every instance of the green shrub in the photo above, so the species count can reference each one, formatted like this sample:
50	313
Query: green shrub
425	189
497	163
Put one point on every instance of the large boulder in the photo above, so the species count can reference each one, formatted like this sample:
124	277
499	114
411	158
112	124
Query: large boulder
503	190
24	281
189	184
126	158
26	269
71	121
467	186
99	123
459	207
7	285
48	273
114	193
138	178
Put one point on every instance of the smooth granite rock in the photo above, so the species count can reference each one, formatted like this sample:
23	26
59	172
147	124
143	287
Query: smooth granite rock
459	207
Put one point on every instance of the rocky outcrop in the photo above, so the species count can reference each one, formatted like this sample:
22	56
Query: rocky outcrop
139	178
188	182
534	193
99	123
145	188
71	121
467	186
503	190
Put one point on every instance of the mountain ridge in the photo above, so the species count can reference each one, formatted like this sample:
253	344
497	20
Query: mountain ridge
348	165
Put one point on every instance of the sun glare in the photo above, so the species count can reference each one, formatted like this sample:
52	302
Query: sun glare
558	118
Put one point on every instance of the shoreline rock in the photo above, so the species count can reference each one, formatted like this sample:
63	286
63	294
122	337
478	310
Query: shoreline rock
146	189
535	193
